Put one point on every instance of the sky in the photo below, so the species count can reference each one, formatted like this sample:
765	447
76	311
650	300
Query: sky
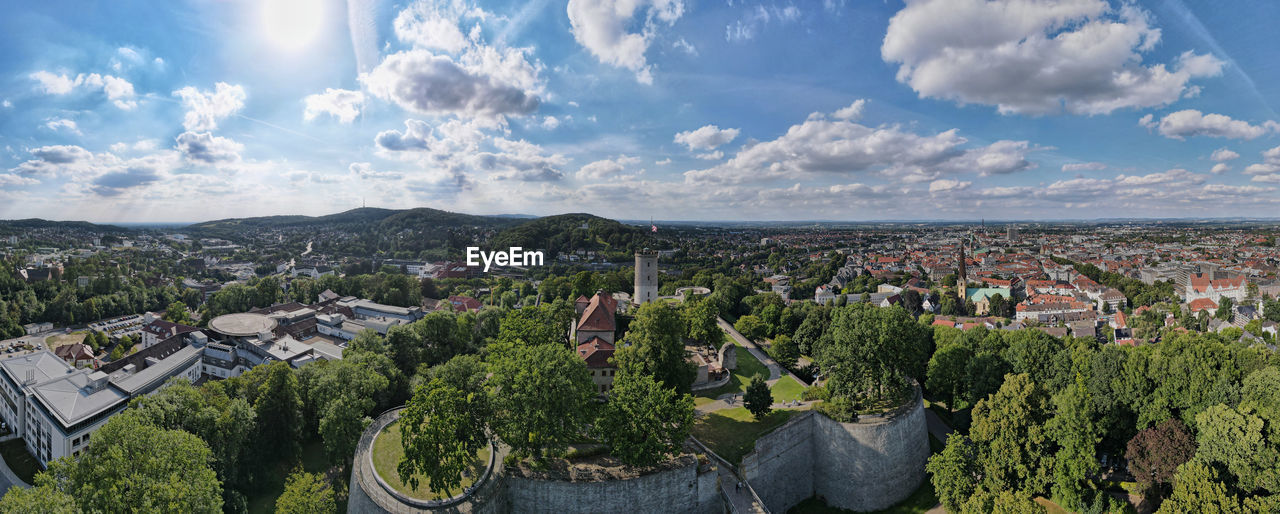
186	111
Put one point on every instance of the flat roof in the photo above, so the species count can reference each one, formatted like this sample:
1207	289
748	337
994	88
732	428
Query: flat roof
44	363
242	324
69	399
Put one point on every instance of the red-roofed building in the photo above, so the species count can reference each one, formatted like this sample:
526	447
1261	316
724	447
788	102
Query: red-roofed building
597	319
1119	321
597	353
1203	304
465	303
76	354
1200	285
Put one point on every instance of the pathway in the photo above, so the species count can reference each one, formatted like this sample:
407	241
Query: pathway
937	427
8	478
740	499
775	370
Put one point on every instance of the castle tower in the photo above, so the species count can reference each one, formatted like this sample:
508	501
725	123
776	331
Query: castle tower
961	278
646	277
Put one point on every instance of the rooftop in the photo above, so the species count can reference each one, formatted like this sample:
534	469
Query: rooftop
242	324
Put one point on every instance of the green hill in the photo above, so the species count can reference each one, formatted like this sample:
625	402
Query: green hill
570	232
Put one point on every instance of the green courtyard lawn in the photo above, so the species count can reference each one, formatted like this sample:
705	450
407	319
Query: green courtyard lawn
732	433
19	460
786	389
387	452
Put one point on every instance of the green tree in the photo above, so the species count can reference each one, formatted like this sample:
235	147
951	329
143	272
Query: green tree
1009	430
278	406
654	346
443	427
1076	434
954	472
873	352
1237	440
305	493
43	498
177	313
758	398
946	375
700	322
644	422
1197	488
133	466
751	327
539	396
785	351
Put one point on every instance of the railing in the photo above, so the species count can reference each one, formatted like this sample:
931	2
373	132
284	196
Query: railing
734	471
366	446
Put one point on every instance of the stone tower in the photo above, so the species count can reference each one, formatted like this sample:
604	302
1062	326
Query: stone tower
961	278
646	277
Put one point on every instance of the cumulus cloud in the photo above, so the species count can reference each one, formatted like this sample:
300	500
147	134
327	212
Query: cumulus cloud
1083	166
824	146
342	104
603	27
204	147
15	180
707	137
550	123
62	125
1270	164
1224	155
1190	122
946	185
206	108
606	168
461	148
422	82
1220	168
853	112
119	91
119	181
711	156
1033	57
756	18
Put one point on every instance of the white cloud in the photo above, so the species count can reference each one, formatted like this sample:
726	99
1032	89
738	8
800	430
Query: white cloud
605	168
711	156
550	123
1176	175
14	180
206	108
457	149
365	171
685	46
342	104
206	148
1034	57
424	83
823	146
1083	166
1220	168
1271	178
1224	155
602	27
947	185
1190	122
707	137
756	18
62	125
663	162
119	91
853	112
1270	163
434	25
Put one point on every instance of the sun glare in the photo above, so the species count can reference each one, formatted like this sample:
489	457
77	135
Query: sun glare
292	24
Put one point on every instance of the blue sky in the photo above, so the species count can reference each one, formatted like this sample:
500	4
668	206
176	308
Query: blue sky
666	109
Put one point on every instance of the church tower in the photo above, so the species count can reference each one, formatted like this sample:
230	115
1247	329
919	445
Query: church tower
961	278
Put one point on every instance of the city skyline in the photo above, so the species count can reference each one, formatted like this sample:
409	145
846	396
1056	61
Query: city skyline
663	109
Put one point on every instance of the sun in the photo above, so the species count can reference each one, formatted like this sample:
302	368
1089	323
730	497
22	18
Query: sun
292	24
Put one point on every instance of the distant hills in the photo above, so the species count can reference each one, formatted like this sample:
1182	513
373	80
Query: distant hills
577	231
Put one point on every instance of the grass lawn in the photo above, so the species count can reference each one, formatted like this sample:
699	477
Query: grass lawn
748	366
19	460
1051	507
786	389
313	460
732	433
702	400
920	501
57	340
387	451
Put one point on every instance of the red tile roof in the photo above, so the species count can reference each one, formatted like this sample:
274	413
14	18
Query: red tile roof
1201	283
1201	304
596	353
599	314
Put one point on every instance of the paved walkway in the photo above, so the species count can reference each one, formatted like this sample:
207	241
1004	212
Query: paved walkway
937	427
740	500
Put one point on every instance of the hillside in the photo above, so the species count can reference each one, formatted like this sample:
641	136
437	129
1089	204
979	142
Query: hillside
357	220
569	232
19	226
